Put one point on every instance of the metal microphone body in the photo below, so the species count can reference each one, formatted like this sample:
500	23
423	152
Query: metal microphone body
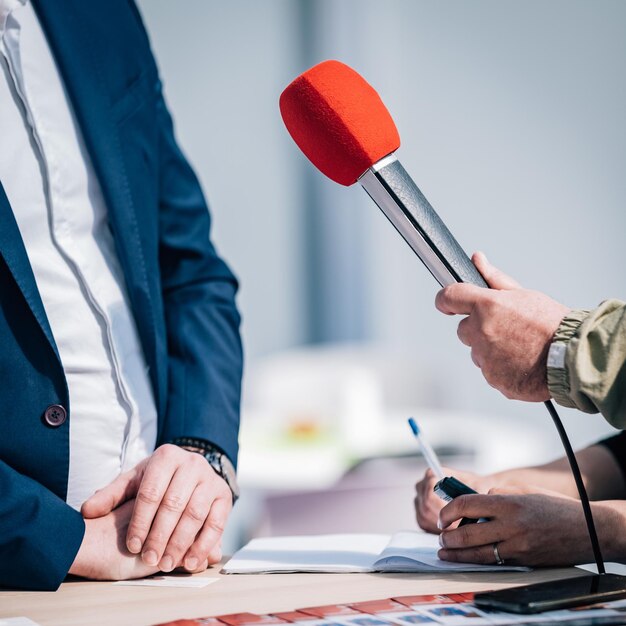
399	198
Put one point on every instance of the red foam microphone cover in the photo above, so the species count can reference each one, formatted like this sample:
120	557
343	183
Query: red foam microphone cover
338	120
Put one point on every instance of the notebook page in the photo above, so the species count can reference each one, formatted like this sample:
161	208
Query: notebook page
415	551
313	553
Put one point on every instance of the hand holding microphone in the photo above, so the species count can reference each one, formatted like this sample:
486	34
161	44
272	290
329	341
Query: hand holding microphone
341	124
509	330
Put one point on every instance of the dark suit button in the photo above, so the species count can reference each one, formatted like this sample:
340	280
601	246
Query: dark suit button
55	415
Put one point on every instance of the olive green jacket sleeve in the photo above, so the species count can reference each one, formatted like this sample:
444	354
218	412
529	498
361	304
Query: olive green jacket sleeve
587	362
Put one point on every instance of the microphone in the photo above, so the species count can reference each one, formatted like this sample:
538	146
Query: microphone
341	124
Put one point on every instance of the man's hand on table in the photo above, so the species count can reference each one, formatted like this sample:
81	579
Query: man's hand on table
178	514
103	555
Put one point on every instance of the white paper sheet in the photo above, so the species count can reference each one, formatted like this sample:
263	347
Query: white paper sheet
168	581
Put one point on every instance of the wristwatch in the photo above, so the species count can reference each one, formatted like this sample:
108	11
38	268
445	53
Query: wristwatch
216	459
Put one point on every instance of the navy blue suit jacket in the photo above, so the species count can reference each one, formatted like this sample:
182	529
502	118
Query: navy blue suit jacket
181	293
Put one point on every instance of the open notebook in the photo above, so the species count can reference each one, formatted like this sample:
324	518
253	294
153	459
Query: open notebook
401	552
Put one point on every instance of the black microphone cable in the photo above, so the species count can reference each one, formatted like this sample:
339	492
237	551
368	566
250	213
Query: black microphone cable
582	492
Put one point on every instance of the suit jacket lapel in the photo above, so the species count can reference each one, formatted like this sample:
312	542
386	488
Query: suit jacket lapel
80	60
15	256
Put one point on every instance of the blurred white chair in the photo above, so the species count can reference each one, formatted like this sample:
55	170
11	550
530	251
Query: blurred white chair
319	375
343	390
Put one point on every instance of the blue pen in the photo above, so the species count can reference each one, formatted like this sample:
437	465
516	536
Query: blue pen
427	451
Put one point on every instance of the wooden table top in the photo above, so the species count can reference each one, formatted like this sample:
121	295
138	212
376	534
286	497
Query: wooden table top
86	603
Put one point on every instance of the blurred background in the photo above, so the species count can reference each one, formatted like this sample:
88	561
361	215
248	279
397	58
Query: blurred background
512	122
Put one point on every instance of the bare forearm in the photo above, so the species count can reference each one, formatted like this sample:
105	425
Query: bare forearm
610	520
601	474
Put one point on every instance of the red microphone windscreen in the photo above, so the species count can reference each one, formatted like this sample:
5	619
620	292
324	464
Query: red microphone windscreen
338	121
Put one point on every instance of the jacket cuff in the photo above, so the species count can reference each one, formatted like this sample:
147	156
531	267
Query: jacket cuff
558	376
44	539
67	531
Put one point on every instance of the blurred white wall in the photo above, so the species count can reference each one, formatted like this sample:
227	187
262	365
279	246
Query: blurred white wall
512	123
223	65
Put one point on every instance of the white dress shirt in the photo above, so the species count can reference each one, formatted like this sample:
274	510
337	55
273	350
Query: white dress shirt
58	205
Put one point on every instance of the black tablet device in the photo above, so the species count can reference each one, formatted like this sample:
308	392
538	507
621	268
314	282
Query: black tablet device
553	595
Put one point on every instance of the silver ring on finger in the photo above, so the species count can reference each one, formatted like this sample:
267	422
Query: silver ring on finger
496	554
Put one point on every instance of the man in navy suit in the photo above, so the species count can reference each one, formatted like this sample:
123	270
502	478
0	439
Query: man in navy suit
120	355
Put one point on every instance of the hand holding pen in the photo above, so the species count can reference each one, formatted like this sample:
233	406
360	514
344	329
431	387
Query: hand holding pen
447	487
